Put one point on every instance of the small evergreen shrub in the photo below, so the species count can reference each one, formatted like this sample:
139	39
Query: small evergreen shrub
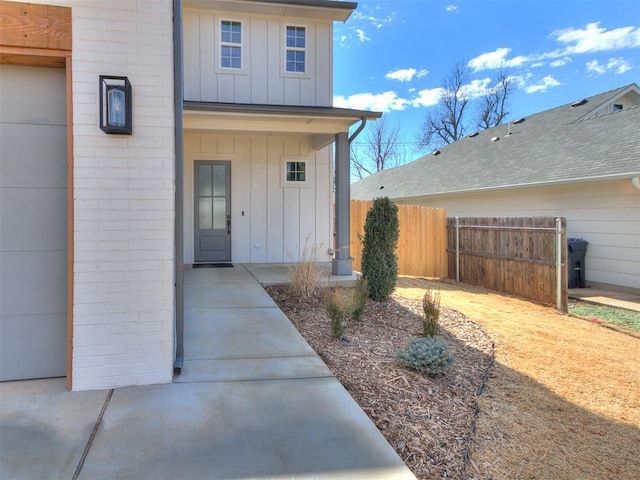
431	309
359	295
304	276
380	239
339	310
429	355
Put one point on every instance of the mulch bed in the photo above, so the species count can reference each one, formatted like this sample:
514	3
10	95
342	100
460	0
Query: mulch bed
428	420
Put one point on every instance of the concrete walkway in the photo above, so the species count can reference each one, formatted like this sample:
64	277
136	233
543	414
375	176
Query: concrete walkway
608	298
253	401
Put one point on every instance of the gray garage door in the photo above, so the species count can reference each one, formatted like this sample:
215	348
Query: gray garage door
33	222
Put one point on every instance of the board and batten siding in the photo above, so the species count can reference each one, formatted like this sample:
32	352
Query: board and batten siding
270	222
605	214
262	79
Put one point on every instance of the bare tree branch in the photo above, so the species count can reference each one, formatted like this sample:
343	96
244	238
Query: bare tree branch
493	106
447	124
379	150
450	120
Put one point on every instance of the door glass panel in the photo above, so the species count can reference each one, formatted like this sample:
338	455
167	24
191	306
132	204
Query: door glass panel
204	178
206	213
219	180
219	213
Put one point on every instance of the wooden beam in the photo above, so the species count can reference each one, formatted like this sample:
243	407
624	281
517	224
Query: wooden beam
35	26
33	57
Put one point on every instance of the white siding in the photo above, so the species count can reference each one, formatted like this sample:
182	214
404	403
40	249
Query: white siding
123	197
262	80
605	214
270	222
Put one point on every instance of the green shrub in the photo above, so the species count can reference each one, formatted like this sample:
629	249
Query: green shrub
359	295
429	355
339	310
304	276
431	309
379	260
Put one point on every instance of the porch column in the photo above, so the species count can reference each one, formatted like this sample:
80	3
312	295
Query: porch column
342	261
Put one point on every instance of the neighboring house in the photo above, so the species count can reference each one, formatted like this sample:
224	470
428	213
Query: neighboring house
580	161
231	158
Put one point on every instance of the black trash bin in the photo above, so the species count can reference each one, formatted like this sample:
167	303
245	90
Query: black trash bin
576	251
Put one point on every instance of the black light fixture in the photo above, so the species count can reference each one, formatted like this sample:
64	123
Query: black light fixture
115	105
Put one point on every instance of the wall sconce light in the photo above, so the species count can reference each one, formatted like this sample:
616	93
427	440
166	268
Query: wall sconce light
115	105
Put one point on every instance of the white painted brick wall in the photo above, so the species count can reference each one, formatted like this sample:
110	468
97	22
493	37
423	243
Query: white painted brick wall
123	196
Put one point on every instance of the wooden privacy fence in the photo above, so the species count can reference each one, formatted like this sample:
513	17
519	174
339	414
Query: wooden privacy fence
511	255
422	245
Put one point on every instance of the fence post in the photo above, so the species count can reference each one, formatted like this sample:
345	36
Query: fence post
558	263
458	249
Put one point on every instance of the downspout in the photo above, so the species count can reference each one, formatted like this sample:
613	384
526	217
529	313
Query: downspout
178	97
635	181
357	132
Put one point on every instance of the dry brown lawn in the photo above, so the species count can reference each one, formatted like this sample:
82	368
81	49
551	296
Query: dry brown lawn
563	399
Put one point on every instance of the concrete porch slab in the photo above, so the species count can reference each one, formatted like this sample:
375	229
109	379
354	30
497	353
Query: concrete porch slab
202	296
227	333
289	429
44	428
269	274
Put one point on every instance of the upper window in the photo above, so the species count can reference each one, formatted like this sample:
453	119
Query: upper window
230	44
617	107
296	49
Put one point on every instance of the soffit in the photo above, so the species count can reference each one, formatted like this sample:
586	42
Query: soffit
318	9
202	116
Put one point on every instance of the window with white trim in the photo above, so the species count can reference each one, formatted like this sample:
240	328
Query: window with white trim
296	171
296	44
231	44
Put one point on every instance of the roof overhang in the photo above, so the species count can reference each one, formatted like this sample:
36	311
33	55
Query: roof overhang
319	9
499	188
322	123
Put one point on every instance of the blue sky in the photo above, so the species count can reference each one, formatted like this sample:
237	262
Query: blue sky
391	55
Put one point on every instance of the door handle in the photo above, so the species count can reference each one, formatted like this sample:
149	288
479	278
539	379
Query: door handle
228	224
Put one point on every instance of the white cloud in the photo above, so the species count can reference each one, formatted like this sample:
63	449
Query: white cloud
451	8
427	97
379	102
560	62
489	60
406	74
378	22
618	65
594	68
476	88
358	29
362	36
594	38
496	59
572	41
542	86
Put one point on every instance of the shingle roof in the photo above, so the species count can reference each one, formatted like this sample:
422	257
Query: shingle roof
551	147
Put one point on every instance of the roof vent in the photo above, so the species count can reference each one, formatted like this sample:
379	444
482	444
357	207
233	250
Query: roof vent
435	152
495	139
381	187
520	120
579	103
474	134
